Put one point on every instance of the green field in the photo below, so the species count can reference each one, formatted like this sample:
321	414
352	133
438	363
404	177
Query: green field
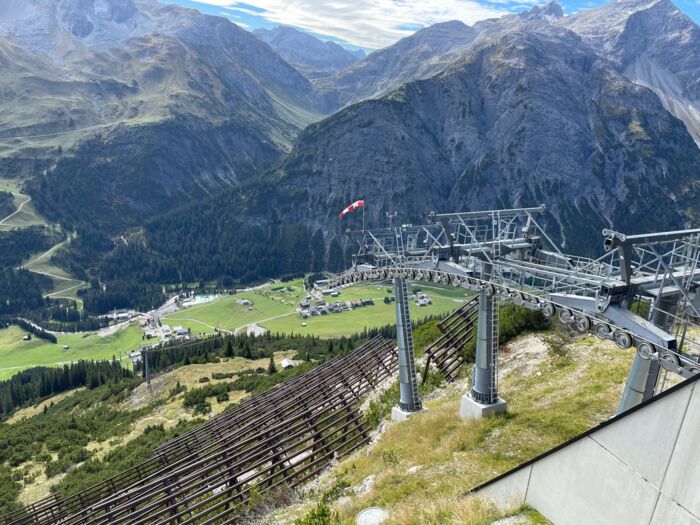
276	310
273	309
225	313
16	354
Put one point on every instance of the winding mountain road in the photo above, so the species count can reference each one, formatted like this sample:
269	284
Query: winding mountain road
53	275
18	210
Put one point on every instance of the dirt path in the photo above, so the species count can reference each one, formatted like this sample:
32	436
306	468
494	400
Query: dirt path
53	275
198	321
18	210
66	132
54	247
255	325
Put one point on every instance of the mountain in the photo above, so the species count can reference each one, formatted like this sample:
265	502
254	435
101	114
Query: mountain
308	54
149	103
529	115
196	183
653	43
420	55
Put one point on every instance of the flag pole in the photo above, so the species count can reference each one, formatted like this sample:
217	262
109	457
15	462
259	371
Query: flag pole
363	218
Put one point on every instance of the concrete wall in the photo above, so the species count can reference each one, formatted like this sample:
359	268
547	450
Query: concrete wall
643	468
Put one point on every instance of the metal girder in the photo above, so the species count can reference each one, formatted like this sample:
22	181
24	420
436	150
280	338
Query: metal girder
615	239
453	248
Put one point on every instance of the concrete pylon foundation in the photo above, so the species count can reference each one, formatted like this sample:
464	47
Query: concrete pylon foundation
470	409
409	401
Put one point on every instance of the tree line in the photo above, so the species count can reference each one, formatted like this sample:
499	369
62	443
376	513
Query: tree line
65	316
34	384
210	349
34	329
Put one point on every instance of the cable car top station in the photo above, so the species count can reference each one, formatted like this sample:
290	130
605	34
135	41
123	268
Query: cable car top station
641	293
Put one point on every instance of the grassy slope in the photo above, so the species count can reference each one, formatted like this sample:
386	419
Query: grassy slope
164	410
551	398
16	354
65	285
29	215
225	313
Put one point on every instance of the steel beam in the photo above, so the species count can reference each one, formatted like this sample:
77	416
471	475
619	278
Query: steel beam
482	383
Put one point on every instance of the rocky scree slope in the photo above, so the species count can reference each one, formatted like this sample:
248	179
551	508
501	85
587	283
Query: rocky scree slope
654	44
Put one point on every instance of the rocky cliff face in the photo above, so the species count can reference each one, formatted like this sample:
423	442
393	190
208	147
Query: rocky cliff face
311	56
155	105
652	43
529	115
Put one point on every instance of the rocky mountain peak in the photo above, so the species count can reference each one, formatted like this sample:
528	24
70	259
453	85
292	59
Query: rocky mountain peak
654	44
307	53
549	11
82	16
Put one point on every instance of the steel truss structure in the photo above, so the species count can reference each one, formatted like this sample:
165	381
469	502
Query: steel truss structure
641	293
279	439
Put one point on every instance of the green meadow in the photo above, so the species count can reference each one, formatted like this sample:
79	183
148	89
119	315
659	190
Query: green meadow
16	354
274	308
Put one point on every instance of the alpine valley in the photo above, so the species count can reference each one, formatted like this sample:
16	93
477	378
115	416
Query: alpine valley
165	146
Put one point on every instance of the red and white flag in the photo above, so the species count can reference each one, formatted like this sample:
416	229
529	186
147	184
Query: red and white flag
352	207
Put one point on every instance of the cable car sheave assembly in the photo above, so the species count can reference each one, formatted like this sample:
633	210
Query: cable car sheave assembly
507	255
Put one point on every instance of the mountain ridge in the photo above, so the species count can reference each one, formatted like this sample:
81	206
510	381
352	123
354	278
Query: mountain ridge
654	44
310	55
227	105
451	137
515	111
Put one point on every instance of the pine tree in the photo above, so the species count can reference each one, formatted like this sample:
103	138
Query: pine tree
271	368
228	350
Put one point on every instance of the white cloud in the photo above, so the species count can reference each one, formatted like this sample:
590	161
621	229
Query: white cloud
364	23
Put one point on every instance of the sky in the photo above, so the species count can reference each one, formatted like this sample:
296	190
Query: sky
373	24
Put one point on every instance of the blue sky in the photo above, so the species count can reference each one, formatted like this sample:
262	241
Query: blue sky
372	24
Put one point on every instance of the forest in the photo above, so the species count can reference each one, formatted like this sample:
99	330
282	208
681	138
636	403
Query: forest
65	315
183	250
202	242
6	204
34	384
20	290
17	245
